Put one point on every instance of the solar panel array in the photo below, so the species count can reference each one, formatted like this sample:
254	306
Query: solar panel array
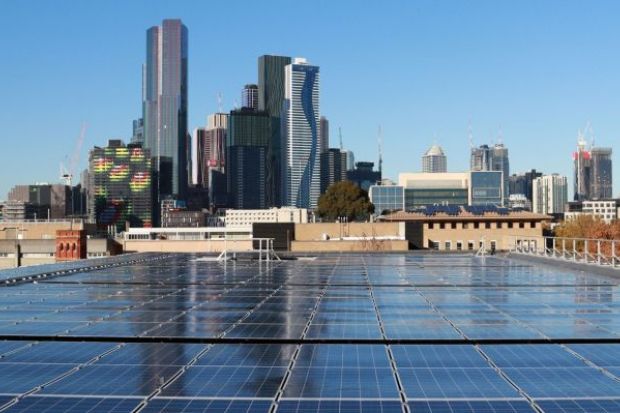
341	333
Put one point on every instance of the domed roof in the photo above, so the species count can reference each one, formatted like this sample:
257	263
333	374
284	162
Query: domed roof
434	150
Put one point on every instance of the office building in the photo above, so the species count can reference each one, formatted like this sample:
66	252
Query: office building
247	144
47	201
236	218
137	135
500	162
582	164
523	183
120	186
333	168
165	107
486	188
324	133
434	189
519	201
271	84
350	159
434	160
387	198
301	172
607	210
364	175
481	158
249	97
550	194
601	173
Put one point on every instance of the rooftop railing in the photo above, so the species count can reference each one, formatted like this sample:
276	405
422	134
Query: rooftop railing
603	252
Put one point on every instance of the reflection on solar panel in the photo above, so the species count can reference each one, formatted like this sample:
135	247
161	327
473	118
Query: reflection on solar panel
341	333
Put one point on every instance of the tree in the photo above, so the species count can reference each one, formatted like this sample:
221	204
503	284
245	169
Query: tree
345	199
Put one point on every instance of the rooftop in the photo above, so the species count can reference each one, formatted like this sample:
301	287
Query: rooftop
339	333
434	150
457	212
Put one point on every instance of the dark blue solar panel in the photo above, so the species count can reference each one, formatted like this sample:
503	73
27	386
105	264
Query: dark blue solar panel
17	378
600	354
116	380
544	355
472	406
412	356
265	355
330	382
564	382
227	382
37	404
580	406
158	405
339	406
455	383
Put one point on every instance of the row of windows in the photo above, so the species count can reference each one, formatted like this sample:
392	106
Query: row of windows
478	225
460	245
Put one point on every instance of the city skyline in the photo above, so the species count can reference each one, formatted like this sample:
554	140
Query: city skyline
545	103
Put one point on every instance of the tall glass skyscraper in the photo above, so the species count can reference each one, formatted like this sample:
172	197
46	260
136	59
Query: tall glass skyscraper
300	133
165	106
271	100
601	180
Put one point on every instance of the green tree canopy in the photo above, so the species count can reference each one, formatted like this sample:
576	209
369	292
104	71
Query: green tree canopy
345	199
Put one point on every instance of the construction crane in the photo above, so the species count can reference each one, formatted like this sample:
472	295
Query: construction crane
380	143
66	175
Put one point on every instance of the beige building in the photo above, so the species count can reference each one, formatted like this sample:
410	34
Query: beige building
239	218
466	231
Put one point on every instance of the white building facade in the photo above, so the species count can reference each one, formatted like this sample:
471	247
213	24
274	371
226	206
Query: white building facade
301	174
550	194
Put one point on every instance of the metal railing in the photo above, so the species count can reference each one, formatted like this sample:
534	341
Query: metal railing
603	252
262	246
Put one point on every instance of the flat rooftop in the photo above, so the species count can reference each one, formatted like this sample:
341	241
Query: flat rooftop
385	333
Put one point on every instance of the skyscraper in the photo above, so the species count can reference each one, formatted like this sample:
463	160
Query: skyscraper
434	160
582	161
165	106
209	148
271	100
500	162
550	194
249	97
300	136
481	158
485	158
120	185
324	133
247	143
601	177
333	167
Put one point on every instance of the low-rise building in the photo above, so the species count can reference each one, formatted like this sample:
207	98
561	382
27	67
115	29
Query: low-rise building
236	218
453	228
606	209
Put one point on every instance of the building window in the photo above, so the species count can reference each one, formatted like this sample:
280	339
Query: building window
476	225
441	225
459	245
453	225
470	245
521	224
510	225
434	245
487	225
448	245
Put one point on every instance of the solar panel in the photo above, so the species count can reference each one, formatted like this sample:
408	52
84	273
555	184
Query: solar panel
284	320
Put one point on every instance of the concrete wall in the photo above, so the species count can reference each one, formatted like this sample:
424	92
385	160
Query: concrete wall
215	245
503	235
314	232
349	246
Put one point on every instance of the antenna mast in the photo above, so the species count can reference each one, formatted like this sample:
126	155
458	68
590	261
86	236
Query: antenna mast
340	136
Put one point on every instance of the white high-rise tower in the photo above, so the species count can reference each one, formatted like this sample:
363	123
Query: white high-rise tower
301	172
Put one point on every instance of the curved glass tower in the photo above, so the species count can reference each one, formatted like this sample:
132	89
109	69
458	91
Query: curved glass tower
300	133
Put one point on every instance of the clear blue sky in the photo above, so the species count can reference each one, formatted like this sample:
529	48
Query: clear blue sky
424	70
